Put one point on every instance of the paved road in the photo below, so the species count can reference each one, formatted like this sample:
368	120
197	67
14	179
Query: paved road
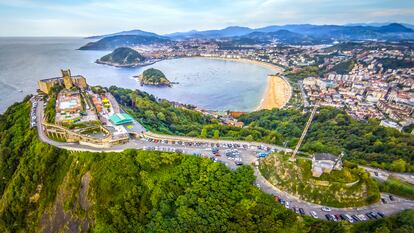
247	155
383	175
304	97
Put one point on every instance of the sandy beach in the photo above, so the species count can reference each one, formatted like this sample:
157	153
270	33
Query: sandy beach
278	90
277	93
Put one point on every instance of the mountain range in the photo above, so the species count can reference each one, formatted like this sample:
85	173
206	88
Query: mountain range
317	31
301	34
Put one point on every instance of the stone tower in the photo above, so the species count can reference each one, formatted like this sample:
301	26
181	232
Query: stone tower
67	79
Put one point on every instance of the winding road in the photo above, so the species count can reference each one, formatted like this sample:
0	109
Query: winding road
247	155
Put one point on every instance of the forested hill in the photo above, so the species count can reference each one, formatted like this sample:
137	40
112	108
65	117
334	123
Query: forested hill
123	57
49	190
45	189
113	42
332	130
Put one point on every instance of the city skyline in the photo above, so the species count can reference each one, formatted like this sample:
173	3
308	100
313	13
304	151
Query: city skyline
84	18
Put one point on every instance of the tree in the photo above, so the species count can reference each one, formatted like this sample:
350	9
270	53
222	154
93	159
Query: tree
203	133
398	165
161	116
249	138
382	229
216	134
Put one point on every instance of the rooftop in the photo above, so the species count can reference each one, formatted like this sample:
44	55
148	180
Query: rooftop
121	118
325	156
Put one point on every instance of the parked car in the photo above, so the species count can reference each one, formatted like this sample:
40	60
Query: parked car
381	214
392	198
356	219
374	215
383	200
313	213
301	211
349	218
238	163
326	209
362	217
287	205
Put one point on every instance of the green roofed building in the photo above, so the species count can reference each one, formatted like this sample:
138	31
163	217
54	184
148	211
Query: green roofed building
120	118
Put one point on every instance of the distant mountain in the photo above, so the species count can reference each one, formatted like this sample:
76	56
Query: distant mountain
112	42
411	26
122	57
294	34
312	33
135	32
226	32
281	36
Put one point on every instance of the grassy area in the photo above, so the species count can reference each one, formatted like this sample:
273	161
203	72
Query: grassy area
332	189
397	187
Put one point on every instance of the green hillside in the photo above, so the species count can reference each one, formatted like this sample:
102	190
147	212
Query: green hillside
348	187
153	76
45	189
113	42
122	57
332	130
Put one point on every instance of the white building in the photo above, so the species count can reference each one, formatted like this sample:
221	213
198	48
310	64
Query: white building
325	163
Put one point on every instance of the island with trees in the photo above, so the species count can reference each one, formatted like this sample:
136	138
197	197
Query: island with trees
124	57
153	77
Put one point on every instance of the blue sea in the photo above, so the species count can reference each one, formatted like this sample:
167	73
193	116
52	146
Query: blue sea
209	84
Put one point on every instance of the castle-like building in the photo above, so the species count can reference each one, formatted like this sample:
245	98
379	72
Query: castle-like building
67	80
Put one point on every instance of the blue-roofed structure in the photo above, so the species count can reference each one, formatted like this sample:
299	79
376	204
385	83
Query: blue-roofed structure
121	119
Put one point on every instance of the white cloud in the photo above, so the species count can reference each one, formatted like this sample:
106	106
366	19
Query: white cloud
48	17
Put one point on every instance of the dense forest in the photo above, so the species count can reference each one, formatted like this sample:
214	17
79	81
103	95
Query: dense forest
45	189
332	130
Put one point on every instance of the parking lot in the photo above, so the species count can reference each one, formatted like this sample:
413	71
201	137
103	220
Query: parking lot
236	154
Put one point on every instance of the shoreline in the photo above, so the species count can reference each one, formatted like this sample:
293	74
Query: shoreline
278	90
124	66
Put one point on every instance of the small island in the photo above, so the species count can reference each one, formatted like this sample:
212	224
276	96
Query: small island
124	57
153	77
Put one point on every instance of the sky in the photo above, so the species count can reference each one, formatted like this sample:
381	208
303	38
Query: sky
94	17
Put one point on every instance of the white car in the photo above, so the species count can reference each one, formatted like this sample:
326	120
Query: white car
362	217
287	205
326	209
313	213
349	218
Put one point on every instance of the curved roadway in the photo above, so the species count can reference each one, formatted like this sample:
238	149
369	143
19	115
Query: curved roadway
247	155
